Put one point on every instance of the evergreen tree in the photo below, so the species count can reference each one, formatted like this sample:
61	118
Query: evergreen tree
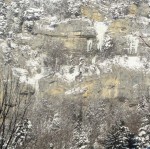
117	137
121	138
132	141
80	138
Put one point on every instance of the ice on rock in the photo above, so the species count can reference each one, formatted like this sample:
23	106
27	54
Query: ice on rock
100	28
89	45
133	43
94	60
33	64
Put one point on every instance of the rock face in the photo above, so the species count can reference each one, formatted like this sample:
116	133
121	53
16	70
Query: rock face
93	56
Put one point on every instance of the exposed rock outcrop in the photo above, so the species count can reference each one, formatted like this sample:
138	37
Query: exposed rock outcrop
102	56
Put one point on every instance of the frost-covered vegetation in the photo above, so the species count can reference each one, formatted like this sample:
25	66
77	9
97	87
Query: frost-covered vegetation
78	124
15	128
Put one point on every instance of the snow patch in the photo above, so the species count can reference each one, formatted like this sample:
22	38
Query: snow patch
132	62
105	66
23	76
78	90
144	20
66	75
94	60
33	64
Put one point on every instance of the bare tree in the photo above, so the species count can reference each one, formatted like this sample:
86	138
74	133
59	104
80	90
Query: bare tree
14	126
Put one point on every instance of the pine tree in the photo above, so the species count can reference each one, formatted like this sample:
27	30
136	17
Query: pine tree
80	138
121	138
117	137
132	141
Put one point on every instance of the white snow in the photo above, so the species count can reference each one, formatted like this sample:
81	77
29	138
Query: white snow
100	28
105	66
24	36
55	1
131	62
94	60
133	43
144	20
69	73
22	74
33	64
78	90
34	81
65	75
34	10
24	77
97	67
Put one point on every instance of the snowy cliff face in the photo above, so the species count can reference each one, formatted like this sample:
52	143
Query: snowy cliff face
73	47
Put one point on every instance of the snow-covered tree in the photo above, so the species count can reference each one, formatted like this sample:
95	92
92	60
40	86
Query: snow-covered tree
133	142
118	10
96	116
3	21
144	133
74	7
55	124
144	105
120	138
80	139
21	133
108	46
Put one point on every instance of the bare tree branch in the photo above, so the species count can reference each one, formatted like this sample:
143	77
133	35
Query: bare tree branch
144	41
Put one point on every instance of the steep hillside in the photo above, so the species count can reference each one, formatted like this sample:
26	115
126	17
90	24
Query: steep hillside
85	51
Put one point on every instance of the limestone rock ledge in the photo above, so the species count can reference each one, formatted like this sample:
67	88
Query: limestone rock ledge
93	56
